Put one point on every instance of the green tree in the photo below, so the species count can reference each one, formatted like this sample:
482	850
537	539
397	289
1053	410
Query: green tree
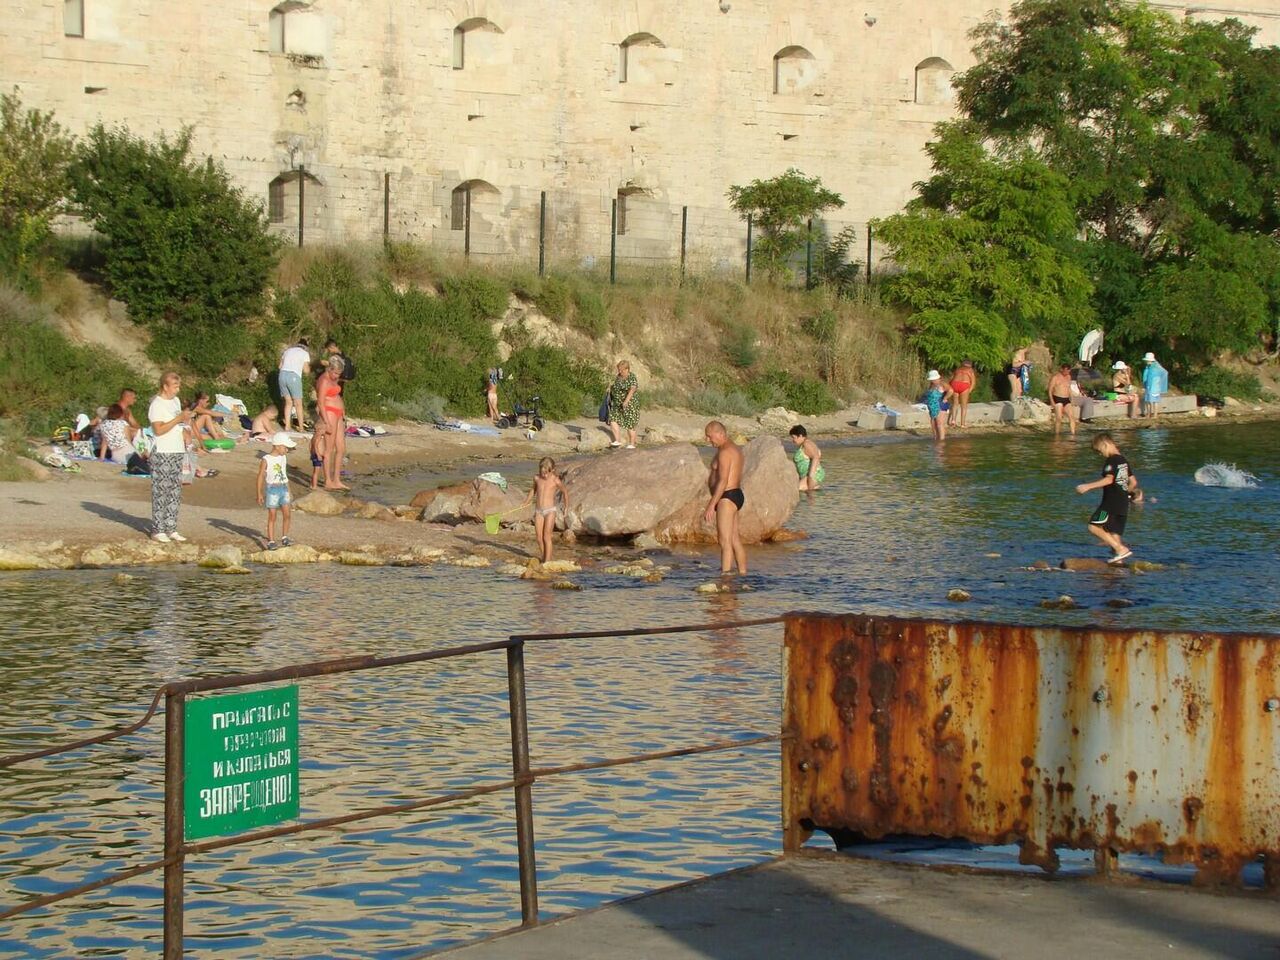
780	208
1168	132
988	254
185	245
35	153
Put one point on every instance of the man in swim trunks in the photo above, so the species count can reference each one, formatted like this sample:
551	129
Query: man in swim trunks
1060	398
963	380
727	500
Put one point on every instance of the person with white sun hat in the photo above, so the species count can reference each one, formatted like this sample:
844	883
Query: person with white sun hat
1122	384
1155	382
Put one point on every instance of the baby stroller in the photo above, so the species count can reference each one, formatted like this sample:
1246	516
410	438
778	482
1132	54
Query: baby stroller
525	415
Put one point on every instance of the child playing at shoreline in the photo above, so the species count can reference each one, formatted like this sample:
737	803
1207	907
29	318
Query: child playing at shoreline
1107	522
317	452
933	400
273	487
543	497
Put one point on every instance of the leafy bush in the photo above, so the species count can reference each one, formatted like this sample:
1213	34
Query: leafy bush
426	407
185	245
555	297
207	349
483	297
1217	383
802	394
566	385
948	337
779	208
590	315
740	345
45	380
712	401
35	153
822	326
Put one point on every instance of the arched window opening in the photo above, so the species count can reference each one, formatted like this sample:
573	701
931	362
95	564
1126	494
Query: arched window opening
296	28
283	198
73	18
793	69
628	54
933	81
470	199
475	27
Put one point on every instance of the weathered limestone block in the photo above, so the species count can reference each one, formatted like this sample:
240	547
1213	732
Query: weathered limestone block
321	503
632	491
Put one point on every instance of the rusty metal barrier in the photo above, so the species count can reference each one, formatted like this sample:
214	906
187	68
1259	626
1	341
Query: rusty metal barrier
524	775
1118	741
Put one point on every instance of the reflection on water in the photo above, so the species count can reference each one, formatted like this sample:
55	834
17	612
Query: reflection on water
898	526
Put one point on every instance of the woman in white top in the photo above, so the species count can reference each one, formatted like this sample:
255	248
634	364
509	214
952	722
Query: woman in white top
168	423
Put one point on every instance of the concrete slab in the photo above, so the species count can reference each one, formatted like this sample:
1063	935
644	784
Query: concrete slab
832	906
1107	409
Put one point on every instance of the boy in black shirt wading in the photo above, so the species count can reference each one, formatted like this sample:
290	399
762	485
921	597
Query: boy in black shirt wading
1107	522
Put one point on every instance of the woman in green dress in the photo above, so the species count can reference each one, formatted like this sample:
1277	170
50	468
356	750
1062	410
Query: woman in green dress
808	459
624	407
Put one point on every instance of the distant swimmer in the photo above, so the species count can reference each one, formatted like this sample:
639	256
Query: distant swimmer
808	459
727	499
1116	482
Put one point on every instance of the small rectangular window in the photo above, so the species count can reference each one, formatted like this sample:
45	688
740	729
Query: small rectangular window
622	63
275	201
459	48
622	213
276	21
73	18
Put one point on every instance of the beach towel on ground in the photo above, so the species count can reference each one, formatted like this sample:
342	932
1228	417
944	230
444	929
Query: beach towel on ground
495	478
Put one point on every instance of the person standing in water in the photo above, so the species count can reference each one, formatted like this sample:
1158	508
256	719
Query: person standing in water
963	380
808	459
1108	521
727	499
1060	396
543	497
934	402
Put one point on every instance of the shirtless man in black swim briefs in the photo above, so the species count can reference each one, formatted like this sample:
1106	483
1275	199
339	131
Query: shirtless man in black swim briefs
725	484
1060	396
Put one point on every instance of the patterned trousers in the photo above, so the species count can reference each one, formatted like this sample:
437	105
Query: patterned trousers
166	491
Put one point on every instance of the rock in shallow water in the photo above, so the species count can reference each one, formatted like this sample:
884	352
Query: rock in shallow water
224	556
956	595
1063	602
297	553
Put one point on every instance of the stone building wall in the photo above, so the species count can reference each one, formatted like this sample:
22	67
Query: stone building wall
667	101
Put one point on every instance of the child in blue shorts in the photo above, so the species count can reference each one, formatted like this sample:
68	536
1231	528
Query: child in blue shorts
273	487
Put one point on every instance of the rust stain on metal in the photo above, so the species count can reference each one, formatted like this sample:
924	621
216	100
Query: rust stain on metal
1115	740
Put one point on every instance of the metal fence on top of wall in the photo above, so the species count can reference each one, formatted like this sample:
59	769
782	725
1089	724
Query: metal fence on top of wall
627	232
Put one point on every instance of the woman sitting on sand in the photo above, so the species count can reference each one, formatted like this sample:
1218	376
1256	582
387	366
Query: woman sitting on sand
205	422
117	436
808	459
334	412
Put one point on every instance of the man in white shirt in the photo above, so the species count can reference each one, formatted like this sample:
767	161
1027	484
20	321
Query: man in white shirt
168	423
294	363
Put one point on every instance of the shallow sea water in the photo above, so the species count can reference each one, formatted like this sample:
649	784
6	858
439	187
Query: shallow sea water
899	524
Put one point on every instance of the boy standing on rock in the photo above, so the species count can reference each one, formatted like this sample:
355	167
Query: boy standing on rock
727	500
273	487
1107	522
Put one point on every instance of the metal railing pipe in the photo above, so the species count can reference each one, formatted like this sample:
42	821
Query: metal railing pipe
524	785
175	860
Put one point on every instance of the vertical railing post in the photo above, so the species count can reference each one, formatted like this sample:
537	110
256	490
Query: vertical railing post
542	234
386	209
808	256
174	734
749	226
302	201
613	242
684	239
868	254
466	225
524	785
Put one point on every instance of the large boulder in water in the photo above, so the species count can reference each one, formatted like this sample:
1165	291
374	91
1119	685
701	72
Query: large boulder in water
769	484
483	498
632	491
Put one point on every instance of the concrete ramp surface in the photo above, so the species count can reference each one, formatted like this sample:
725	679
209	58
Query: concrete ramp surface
828	906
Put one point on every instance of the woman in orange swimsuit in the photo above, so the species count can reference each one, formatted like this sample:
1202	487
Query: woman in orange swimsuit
962	383
334	412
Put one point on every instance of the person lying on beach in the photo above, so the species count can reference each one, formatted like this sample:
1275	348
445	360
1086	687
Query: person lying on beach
265	423
808	459
543	497
727	498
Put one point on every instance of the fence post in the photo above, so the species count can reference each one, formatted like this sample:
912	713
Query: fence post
684	239
524	785
174	734
613	241
749	225
868	254
542	234
808	256
466	224
302	199
386	209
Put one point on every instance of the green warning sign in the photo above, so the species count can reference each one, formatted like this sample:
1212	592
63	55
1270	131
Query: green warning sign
241	761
